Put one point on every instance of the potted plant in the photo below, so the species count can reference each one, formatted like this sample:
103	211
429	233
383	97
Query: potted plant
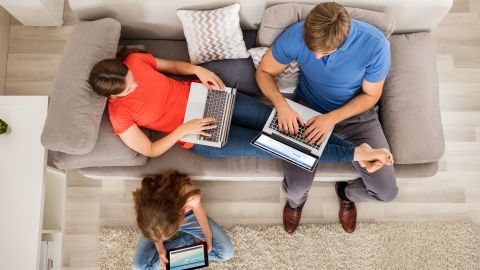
3	127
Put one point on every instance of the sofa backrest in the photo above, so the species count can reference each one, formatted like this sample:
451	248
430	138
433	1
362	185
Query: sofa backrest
149	19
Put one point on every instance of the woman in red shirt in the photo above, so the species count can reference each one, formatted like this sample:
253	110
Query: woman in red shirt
139	95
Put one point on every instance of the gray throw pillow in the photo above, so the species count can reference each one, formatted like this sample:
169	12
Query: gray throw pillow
233	70
409	107
109	150
276	18
75	111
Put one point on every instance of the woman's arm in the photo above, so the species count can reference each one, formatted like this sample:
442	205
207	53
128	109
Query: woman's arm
184	68
134	137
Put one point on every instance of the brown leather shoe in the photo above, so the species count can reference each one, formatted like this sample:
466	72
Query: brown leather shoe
291	217
347	213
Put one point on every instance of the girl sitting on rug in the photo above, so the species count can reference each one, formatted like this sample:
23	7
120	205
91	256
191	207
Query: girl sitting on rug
170	215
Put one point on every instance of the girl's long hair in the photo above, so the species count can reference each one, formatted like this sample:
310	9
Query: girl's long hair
107	77
159	204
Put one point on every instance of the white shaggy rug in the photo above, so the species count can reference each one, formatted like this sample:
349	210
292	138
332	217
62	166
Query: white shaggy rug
326	246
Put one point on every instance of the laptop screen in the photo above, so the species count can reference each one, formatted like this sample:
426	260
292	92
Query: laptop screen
285	151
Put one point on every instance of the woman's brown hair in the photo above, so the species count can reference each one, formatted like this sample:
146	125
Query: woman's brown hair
107	77
326	27
159	204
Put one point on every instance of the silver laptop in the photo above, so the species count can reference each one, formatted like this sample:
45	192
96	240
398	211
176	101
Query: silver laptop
214	103
291	147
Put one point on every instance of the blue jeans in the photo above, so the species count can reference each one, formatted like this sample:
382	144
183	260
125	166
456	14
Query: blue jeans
249	117
146	255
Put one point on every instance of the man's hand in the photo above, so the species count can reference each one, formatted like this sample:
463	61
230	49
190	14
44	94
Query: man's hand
207	77
318	128
288	118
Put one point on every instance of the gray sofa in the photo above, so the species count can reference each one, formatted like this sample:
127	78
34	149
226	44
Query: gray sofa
79	134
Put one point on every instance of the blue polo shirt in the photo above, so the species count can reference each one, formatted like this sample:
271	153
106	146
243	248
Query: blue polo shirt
330	82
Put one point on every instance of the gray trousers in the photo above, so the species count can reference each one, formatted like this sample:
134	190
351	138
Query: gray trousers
378	186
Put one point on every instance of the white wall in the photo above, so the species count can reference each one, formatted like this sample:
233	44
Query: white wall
36	12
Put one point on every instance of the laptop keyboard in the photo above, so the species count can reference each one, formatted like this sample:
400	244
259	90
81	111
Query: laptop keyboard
297	136
214	108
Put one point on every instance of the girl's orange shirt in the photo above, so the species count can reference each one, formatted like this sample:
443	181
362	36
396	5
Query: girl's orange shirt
158	103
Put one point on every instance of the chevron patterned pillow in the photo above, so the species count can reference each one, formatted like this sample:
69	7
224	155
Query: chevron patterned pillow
213	34
286	81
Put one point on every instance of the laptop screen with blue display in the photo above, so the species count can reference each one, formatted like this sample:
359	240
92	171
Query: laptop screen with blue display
285	151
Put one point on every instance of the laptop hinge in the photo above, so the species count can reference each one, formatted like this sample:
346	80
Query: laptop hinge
291	144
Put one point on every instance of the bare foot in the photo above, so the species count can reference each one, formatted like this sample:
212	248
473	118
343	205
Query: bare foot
371	166
364	152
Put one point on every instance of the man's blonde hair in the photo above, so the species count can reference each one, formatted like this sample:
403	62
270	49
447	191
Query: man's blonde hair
326	27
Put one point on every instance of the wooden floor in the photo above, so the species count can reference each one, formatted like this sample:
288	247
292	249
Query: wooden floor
453	194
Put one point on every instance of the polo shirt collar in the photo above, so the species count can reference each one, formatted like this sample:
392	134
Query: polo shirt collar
351	36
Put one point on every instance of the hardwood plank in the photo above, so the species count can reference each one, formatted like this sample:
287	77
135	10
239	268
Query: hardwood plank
261	192
80	250
4	46
474	6
460	6
460	134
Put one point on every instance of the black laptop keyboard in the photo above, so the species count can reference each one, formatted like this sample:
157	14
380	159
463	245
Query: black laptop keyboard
214	108
297	136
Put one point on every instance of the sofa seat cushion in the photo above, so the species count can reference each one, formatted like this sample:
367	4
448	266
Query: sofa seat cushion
109	150
239	169
276	18
409	107
75	111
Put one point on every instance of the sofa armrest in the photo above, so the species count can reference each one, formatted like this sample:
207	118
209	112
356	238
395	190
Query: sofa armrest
409	107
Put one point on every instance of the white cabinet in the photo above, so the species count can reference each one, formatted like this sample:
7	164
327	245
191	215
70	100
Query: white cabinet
32	197
53	219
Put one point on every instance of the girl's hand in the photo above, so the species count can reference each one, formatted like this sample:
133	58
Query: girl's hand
162	254
163	259
207	77
197	126
209	243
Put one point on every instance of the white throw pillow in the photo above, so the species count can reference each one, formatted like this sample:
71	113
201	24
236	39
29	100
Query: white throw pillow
286	81
213	34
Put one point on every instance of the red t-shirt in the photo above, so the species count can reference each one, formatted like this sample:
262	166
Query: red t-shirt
158	103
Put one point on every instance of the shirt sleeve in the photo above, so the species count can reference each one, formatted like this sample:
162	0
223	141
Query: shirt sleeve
145	58
380	65
284	48
120	119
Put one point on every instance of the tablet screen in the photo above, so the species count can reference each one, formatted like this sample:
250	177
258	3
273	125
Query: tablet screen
191	257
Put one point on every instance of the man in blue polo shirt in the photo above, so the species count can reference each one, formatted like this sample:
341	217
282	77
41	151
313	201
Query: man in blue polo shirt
343	65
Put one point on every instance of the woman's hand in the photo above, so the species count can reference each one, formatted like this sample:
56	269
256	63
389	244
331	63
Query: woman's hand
197	126
207	77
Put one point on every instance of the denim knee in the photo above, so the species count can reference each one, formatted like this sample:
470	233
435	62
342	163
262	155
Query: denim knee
226	253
